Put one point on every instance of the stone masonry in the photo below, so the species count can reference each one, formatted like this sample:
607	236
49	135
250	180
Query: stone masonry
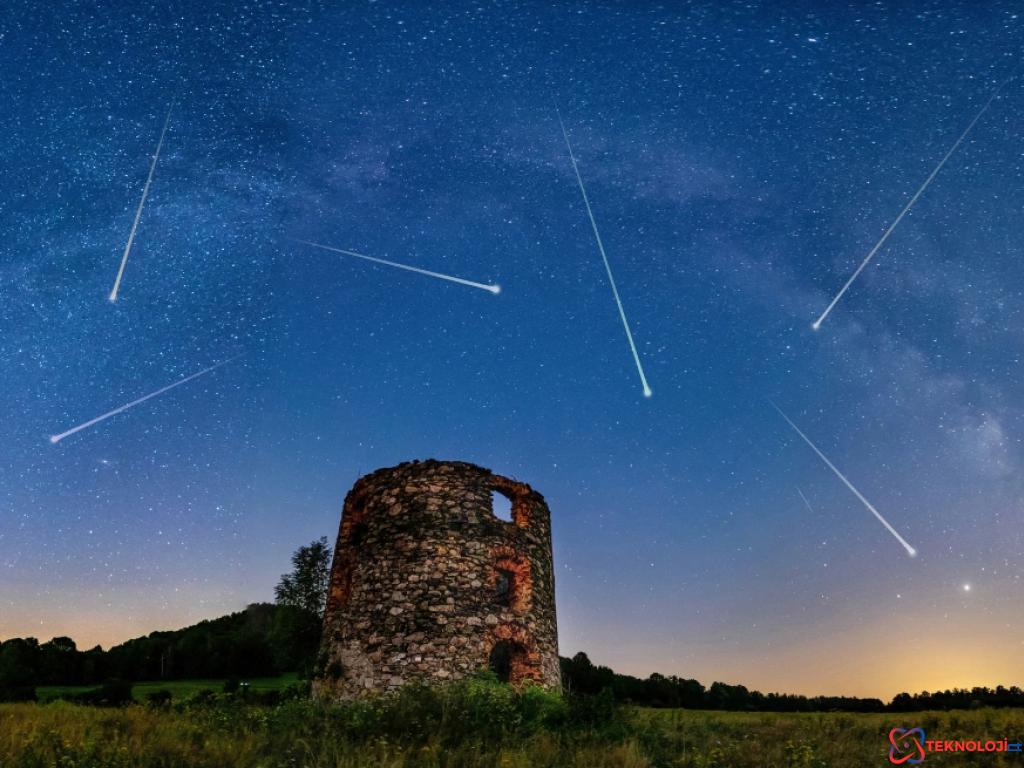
429	585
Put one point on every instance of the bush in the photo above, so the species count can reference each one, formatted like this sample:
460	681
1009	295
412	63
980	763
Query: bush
477	708
266	698
296	691
594	711
159	699
203	697
18	693
112	693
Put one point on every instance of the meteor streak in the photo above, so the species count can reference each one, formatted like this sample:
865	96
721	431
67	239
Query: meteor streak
910	550
133	403
495	289
142	202
604	257
817	323
806	502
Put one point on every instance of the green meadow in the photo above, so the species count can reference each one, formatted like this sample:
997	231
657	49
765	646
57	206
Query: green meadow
179	689
471	724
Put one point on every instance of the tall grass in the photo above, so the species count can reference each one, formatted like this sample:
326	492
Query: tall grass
470	724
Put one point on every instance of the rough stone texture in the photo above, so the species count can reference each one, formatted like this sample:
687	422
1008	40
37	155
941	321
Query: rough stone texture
417	585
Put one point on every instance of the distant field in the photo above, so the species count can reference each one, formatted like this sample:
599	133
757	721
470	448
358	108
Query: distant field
482	731
180	689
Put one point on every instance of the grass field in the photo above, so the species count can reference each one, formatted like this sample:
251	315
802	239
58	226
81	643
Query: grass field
471	726
817	740
180	689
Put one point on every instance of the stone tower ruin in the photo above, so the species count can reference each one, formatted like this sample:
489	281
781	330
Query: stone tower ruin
429	584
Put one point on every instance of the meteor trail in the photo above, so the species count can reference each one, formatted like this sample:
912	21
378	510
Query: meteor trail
910	550
817	323
142	202
133	403
806	502
495	289
604	257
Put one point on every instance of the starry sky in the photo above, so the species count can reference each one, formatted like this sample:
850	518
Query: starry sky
741	160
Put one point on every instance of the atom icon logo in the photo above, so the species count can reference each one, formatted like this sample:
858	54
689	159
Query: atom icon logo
907	746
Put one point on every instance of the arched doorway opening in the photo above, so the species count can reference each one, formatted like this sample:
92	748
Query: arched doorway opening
507	661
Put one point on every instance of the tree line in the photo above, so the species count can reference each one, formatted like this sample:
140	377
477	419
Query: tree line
266	640
581	676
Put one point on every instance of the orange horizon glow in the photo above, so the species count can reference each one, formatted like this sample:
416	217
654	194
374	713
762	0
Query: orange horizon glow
858	666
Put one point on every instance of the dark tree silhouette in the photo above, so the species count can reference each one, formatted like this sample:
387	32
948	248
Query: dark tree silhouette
306	586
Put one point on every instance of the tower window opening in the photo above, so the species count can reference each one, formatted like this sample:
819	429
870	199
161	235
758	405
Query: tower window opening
501	506
358	534
504	587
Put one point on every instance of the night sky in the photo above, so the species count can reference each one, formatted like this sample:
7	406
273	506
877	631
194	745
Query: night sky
741	160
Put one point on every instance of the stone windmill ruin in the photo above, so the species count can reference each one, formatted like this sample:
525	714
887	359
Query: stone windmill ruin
429	584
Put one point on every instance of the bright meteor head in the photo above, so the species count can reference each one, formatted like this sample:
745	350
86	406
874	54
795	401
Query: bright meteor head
604	258
495	289
868	505
137	401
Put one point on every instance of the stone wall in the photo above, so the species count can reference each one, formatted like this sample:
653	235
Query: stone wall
428	584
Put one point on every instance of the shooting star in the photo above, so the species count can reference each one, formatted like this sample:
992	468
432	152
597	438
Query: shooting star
57	438
142	202
817	323
910	550
806	502
604	257
495	289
